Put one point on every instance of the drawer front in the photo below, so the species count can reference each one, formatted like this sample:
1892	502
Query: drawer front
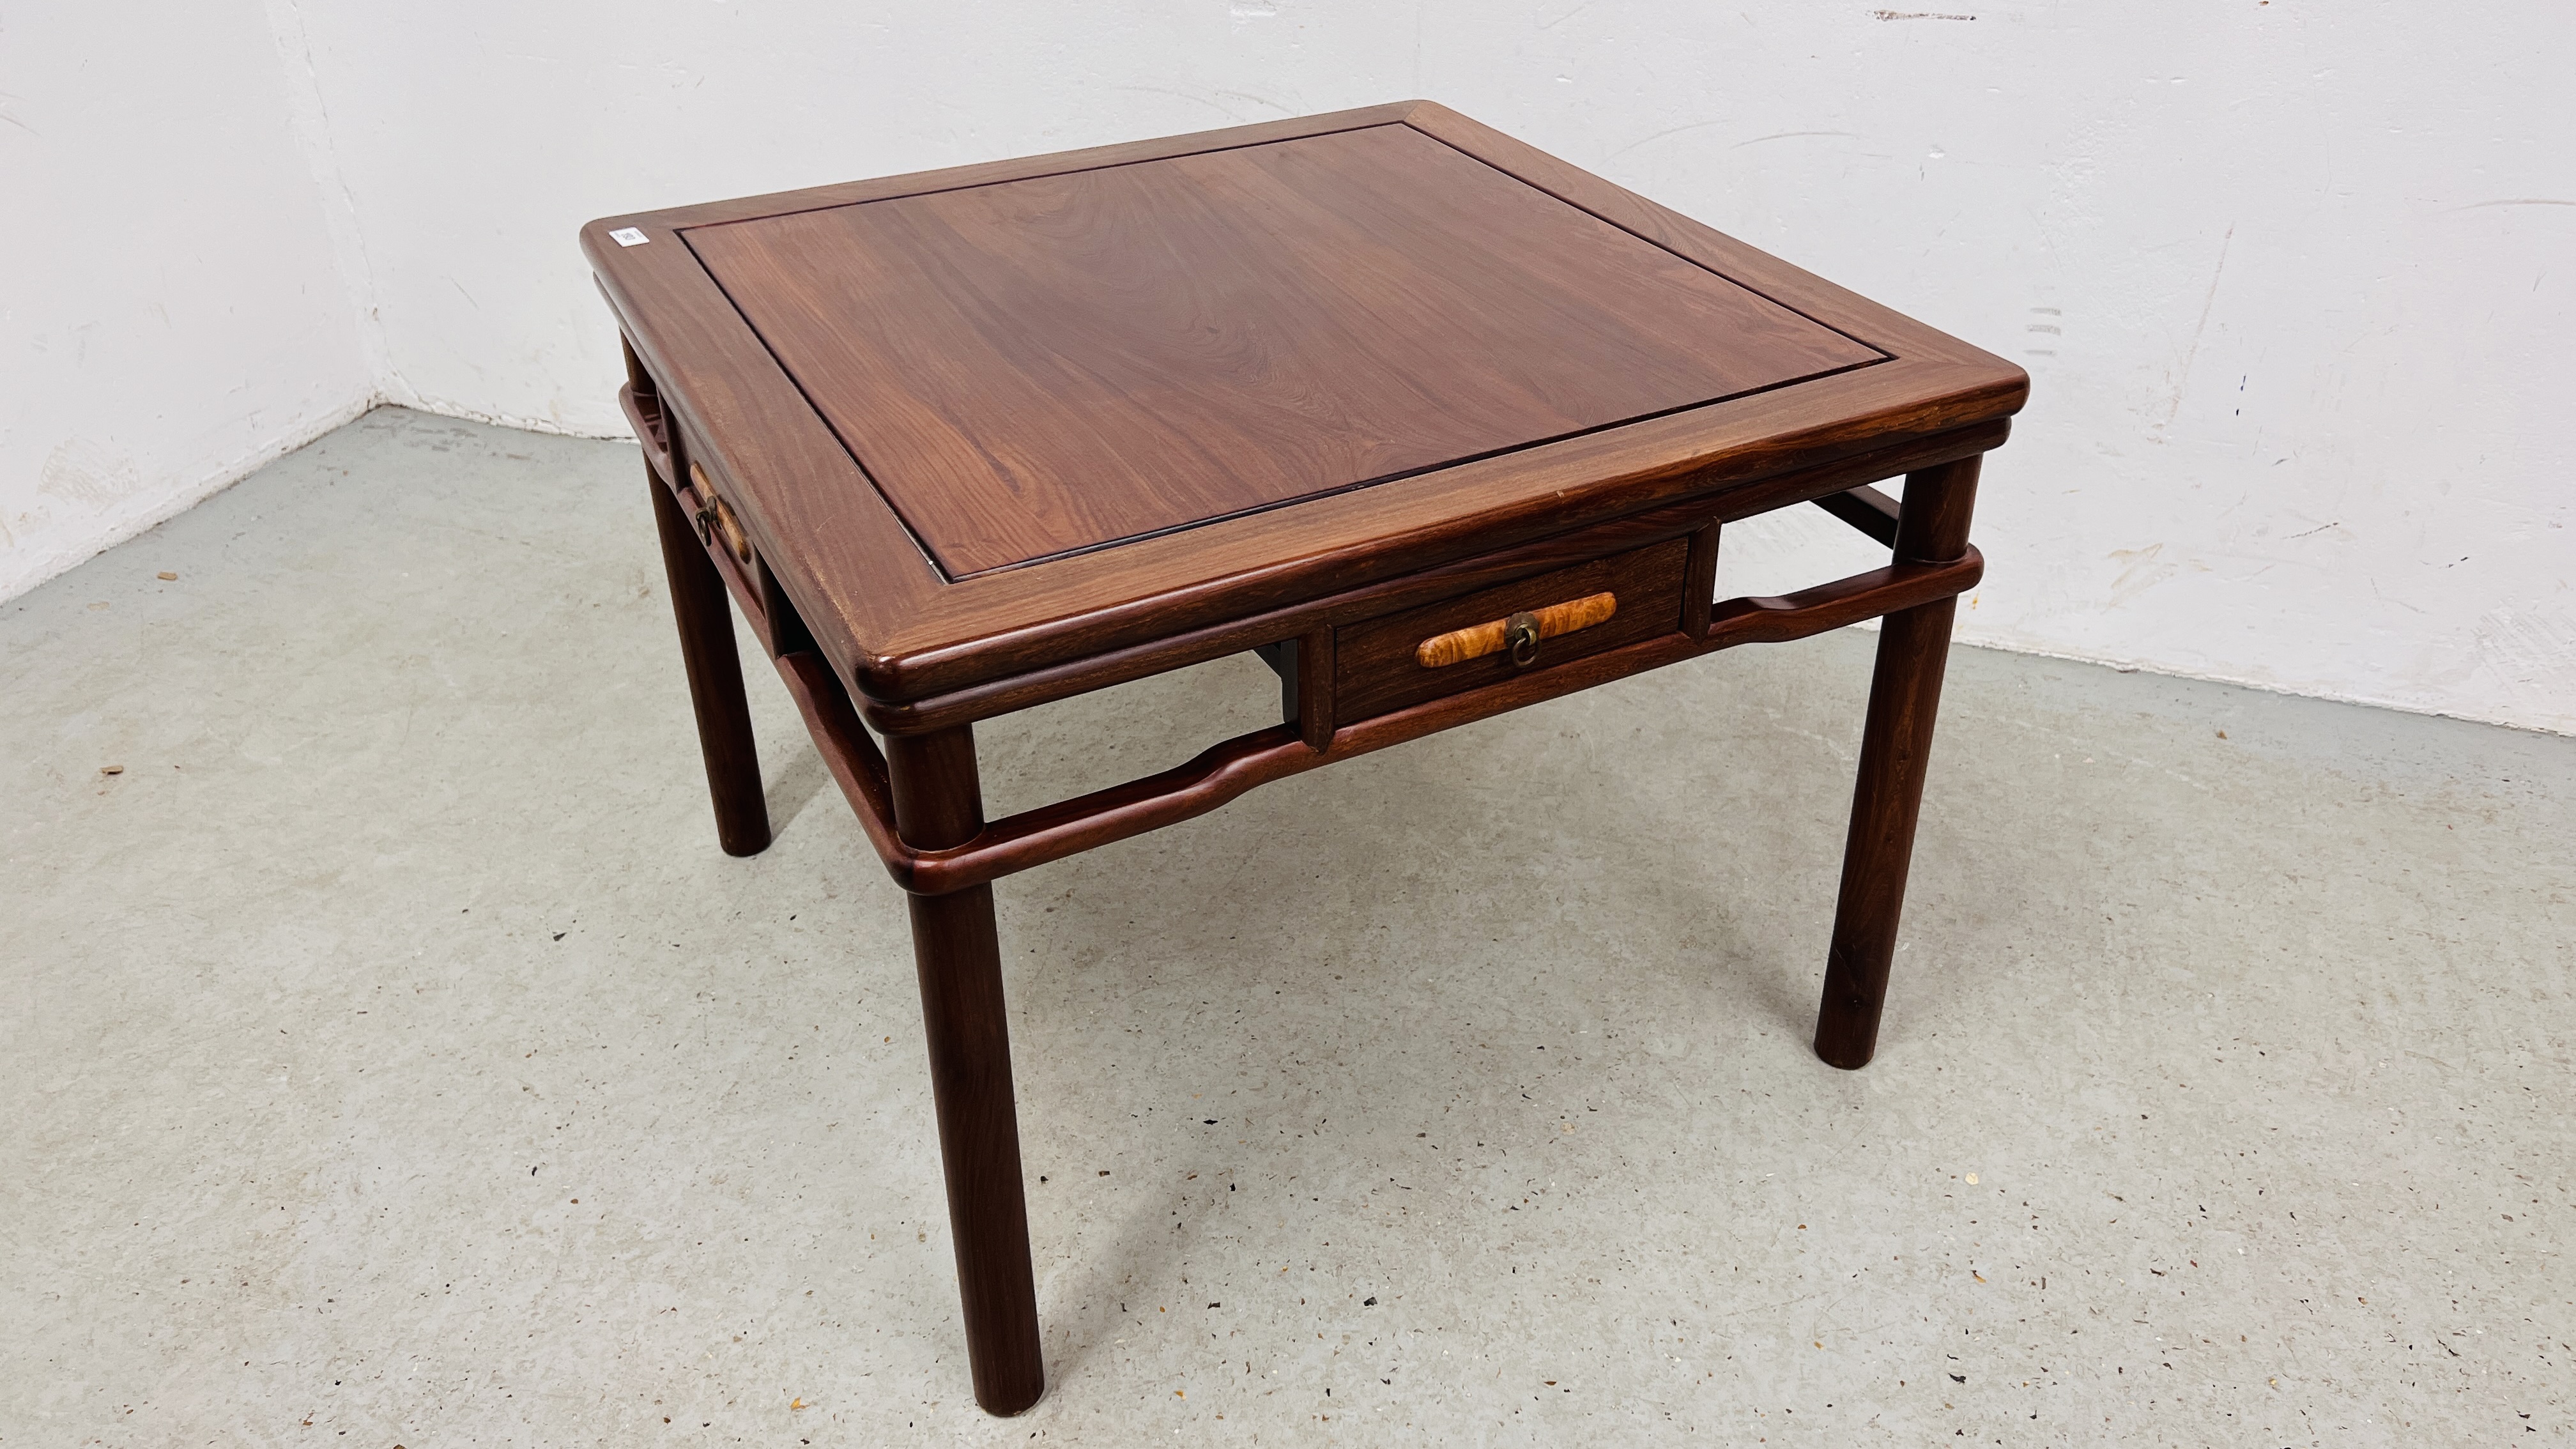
709	501
1515	628
718	526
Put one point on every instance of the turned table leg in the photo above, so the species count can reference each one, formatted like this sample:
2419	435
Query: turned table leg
1904	695
938	802
715	678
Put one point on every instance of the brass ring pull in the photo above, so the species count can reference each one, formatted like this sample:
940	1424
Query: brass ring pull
1518	634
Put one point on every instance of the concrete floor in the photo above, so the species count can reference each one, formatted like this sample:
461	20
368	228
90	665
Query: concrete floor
392	1055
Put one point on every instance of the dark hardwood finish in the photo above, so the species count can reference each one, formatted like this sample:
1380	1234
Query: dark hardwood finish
642	403
715	680
1866	509
1281	656
1052	832
1130	350
1439	424
1896	746
1376	665
1699	579
1315	703
1198	645
897	630
938	802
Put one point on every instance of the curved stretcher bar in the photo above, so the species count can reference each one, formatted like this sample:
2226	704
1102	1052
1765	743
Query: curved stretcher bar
1227	770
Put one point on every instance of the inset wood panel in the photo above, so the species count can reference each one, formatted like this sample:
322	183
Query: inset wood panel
1039	367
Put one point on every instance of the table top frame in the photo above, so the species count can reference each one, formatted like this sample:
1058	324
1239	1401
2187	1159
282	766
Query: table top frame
897	631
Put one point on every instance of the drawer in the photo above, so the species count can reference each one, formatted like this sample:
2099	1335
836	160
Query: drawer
1494	634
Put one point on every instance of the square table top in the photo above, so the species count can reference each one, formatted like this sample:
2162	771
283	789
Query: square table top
989	418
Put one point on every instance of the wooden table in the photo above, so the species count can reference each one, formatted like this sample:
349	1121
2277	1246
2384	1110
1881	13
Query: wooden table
1440	425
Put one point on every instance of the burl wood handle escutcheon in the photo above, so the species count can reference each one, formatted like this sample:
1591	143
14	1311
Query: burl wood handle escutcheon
1520	633
716	518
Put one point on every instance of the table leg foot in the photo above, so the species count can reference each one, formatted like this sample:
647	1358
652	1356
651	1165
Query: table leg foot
938	802
979	1143
1902	701
705	617
1896	744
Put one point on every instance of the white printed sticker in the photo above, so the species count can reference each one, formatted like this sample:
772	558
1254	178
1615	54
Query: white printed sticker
627	236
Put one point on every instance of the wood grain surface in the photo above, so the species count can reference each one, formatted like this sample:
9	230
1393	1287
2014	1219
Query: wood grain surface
898	630
1034	368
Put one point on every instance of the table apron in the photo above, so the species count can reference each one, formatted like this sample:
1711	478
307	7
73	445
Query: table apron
1829	485
1227	770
